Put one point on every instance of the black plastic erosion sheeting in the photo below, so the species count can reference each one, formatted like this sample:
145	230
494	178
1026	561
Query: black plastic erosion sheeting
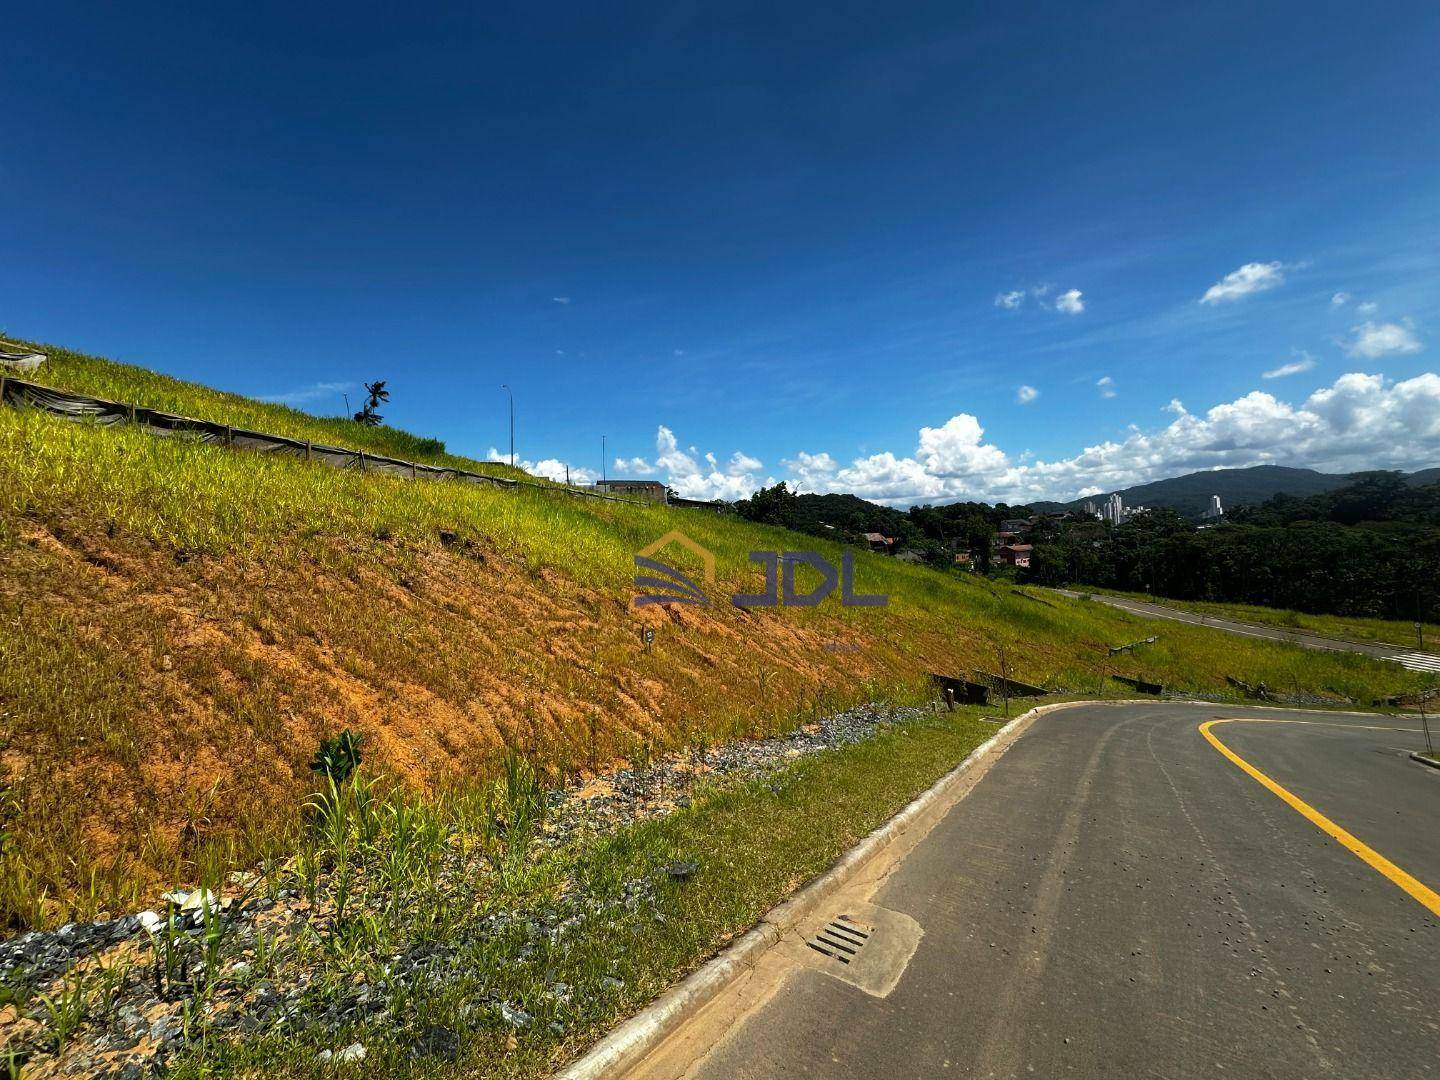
93	410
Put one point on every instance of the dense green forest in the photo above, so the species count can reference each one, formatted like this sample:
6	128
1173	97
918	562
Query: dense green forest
1370	548
934	532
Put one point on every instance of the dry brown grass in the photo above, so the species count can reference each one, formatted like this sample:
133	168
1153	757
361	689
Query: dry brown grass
181	624
163	710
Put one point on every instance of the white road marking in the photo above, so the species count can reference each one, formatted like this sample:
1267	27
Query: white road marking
1416	661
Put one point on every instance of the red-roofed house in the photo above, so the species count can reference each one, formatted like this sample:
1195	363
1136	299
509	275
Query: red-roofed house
1015	555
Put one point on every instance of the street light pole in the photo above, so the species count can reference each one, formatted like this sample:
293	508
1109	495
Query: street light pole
507	390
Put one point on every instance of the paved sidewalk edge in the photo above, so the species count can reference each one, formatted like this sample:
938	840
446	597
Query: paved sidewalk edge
627	1044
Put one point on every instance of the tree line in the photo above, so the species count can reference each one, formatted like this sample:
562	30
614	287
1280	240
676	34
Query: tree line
935	533
1371	548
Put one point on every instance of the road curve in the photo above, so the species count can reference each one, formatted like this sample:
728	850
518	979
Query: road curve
1410	658
1120	896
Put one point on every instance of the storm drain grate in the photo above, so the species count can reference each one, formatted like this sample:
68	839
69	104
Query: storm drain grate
841	939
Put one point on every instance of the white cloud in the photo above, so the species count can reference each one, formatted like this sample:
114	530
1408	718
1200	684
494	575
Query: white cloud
1069	302
742	463
1361	421
1106	385
810	472
550	468
1340	299
1373	340
1250	278
560	299
954	449
698	476
1369	307
636	465
1303	362
314	392
1024	395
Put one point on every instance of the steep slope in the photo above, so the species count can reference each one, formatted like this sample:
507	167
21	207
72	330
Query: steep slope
132	385
180	624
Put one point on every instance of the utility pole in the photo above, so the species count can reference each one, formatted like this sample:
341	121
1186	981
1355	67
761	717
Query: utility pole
603	475
1004	675
507	390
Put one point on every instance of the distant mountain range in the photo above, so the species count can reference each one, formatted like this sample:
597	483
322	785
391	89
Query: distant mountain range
1190	494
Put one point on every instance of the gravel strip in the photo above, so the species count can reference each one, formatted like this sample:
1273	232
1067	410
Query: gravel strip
150	1019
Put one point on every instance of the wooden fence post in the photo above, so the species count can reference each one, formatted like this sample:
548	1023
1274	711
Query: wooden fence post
307	449
362	460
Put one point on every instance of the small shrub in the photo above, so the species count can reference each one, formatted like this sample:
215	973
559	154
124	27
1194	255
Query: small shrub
338	757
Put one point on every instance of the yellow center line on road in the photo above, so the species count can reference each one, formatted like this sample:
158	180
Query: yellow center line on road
1418	890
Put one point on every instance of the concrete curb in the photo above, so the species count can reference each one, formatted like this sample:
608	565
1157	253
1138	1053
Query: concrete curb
629	1043
625	1046
1417	756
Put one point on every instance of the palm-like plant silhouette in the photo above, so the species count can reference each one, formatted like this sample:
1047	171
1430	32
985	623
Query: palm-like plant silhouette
378	394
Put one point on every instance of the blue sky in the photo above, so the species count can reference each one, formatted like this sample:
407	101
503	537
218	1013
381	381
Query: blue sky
892	249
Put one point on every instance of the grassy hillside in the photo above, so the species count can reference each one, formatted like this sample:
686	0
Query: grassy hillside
1354	628
132	385
180	624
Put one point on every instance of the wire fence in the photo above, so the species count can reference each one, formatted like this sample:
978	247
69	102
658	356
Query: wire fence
22	394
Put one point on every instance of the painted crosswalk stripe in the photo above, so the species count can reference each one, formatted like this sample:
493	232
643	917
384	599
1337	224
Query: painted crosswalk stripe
1416	661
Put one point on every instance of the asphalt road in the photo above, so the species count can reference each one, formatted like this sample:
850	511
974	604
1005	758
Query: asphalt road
1117	898
1410	658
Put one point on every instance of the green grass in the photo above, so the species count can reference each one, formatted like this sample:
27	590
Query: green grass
1349	627
815	809
128	384
180	624
202	499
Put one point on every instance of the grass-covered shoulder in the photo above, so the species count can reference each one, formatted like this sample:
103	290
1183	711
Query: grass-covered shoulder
1346	627
461	935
